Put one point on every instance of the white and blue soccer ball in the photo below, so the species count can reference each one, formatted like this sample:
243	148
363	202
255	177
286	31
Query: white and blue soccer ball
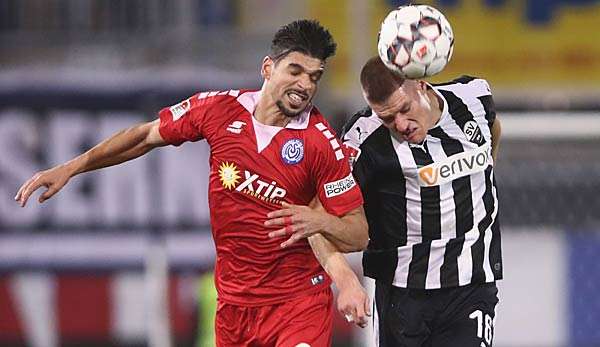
415	41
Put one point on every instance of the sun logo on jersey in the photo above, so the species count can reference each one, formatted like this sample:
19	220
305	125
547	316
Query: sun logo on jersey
229	175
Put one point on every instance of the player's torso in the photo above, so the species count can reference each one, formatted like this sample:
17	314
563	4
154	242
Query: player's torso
253	169
251	174
414	184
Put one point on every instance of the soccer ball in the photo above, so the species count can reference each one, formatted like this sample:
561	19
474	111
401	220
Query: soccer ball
415	41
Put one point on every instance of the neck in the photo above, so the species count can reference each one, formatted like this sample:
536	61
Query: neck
268	113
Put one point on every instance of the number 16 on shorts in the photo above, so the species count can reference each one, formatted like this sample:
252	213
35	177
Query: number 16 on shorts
485	327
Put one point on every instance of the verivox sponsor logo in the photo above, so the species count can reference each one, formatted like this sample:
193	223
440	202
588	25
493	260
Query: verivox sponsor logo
458	165
339	187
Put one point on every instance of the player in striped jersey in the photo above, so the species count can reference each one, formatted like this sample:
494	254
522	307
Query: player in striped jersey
423	156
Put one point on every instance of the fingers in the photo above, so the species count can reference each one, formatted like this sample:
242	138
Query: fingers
280	213
287	230
28	188
360	316
48	193
19	194
297	232
295	237
288	219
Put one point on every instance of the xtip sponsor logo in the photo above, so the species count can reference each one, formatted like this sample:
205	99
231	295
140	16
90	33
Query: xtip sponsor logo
229	175
180	109
252	184
339	187
456	166
292	151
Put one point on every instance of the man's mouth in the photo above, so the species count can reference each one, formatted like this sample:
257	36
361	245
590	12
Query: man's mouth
408	134
297	98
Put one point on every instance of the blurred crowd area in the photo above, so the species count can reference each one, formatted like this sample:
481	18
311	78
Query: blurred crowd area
72	72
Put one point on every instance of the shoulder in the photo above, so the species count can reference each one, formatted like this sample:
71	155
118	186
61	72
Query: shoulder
465	86
360	126
322	135
201	101
216	97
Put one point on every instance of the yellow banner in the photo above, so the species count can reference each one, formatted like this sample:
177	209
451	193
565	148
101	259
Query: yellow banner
500	43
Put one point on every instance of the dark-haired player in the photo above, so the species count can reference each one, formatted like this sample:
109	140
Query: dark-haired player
424	159
270	148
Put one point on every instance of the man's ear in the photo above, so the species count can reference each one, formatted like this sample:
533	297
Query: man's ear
267	67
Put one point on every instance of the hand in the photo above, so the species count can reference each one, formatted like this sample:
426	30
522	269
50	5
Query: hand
53	179
299	221
353	303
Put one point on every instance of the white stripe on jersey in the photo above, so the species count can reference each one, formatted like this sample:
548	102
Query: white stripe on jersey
465	260
413	192
489	275
401	274
436	259
447	220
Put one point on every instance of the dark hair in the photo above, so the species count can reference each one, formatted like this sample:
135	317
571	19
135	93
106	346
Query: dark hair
378	82
304	36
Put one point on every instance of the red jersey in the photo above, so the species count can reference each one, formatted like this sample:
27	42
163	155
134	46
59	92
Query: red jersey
253	168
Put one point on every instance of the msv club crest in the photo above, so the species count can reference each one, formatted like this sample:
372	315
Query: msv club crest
292	151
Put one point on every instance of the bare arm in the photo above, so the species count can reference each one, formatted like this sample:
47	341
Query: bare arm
496	132
353	301
349	233
125	145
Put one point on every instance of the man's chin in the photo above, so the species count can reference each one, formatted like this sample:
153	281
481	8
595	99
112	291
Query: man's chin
288	112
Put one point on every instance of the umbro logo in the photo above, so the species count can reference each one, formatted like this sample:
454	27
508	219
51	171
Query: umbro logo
236	127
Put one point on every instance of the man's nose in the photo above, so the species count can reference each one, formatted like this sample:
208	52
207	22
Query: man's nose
304	82
401	124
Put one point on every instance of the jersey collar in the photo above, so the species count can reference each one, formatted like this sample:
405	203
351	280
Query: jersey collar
445	113
250	99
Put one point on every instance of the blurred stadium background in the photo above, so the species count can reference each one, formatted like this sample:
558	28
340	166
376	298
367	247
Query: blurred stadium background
88	267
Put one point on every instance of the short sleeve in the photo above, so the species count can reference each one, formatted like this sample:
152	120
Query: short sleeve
354	133
184	121
359	164
488	103
336	186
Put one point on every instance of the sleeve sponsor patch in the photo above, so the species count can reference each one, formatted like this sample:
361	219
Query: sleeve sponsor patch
180	109
339	187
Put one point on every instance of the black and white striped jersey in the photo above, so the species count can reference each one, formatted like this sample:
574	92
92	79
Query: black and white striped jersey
432	208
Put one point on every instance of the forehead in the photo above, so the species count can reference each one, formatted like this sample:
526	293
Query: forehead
306	61
394	102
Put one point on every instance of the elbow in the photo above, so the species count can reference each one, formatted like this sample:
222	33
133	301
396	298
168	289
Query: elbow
360	242
364	239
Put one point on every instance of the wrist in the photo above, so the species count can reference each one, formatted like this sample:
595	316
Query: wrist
346	279
72	167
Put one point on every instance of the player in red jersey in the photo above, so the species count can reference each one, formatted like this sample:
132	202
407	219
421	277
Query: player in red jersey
272	153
